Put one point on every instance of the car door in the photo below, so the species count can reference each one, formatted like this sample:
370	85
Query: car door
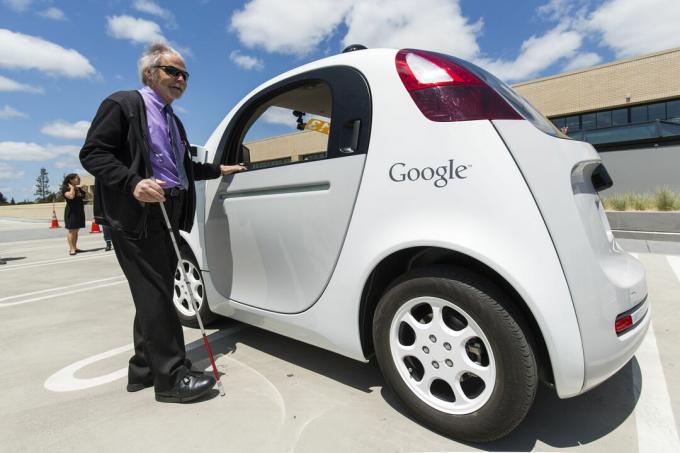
274	233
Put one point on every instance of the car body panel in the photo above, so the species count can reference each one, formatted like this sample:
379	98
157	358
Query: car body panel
489	209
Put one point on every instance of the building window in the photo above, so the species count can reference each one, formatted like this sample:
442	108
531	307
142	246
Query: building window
604	119
638	114
314	156
673	111
619	117
573	123
269	163
656	111
588	121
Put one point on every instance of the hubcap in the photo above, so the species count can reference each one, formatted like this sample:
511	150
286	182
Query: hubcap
180	294
442	355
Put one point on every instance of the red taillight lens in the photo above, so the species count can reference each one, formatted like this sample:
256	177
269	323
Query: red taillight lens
623	323
445	91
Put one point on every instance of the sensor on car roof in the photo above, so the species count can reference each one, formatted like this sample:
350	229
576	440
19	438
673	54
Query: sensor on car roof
353	47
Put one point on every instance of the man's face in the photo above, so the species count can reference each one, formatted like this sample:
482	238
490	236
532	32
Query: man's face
168	87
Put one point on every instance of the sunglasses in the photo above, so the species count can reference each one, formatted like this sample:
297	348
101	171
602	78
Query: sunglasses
173	71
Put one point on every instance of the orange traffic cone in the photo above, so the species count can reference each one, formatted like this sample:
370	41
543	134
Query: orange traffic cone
94	228
55	222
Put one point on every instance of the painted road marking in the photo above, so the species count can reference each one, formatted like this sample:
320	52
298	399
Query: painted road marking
65	293
70	259
33	293
653	413
64	380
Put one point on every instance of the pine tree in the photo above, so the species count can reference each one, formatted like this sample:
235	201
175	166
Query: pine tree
3	200
42	186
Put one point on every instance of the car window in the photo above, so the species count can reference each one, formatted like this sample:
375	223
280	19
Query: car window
292	127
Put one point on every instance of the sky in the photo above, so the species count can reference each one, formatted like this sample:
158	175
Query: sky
59	59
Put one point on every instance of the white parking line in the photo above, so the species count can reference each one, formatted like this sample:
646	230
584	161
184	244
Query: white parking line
65	293
70	259
64	380
654	418
653	413
33	293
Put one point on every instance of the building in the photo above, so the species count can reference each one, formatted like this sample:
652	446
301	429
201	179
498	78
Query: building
628	109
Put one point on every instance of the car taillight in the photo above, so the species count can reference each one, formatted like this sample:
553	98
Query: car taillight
445	91
623	323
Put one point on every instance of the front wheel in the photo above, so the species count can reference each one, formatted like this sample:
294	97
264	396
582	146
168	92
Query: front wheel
180	296
454	351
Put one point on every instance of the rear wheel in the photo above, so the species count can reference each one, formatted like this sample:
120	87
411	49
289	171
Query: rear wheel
453	350
180	296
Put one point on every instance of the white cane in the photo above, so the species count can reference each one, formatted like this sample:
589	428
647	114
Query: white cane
193	301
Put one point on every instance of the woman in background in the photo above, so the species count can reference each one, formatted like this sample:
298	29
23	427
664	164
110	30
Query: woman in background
74	214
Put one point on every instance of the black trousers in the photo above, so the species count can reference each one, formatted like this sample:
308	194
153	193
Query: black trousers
149	263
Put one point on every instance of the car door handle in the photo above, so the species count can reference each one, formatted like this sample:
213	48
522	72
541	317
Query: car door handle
354	143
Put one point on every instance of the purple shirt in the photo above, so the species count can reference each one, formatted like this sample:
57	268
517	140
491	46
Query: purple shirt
162	157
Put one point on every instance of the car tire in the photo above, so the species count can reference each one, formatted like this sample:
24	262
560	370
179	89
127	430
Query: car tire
456	352
183	306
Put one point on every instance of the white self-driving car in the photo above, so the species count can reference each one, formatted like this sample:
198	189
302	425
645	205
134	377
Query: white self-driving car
409	205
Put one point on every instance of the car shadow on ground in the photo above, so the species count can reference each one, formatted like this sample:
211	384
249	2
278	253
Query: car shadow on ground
555	422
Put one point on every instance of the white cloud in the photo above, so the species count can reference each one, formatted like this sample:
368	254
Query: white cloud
72	163
9	172
139	31
23	151
53	13
555	9
8	112
17	5
536	54
282	27
437	25
11	85
279	115
276	26
19	51
583	60
633	27
63	129
246	61
153	8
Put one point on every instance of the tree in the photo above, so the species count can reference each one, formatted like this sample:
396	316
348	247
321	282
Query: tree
3	200
12	201
42	186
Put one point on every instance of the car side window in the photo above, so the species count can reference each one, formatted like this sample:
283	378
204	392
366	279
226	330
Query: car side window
292	127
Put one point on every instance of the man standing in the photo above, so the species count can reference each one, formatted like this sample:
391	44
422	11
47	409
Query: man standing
138	151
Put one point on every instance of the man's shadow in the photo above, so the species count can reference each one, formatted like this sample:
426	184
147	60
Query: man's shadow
552	421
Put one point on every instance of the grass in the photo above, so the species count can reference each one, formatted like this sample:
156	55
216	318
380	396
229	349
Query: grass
663	199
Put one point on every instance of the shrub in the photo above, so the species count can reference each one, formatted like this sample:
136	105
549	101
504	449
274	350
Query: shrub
666	200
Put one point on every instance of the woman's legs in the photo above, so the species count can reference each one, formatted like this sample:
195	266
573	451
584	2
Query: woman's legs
72	238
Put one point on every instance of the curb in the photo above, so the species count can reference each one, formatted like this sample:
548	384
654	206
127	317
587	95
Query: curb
647	235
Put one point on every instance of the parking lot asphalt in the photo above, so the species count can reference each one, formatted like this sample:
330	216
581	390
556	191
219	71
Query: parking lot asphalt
65	338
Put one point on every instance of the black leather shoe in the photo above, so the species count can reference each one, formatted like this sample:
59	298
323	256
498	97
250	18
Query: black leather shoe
188	389
137	386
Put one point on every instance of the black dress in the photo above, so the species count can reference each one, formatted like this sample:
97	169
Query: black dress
74	214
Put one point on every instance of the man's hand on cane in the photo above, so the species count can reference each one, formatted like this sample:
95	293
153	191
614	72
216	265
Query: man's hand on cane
149	191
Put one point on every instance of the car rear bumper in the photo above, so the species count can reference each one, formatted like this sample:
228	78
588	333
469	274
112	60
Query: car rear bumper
604	281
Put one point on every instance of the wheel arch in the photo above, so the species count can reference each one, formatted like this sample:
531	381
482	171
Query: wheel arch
399	262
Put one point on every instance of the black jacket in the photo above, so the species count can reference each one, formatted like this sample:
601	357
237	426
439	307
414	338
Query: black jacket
116	152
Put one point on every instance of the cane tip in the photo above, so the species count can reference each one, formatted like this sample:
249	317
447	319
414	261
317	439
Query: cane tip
220	387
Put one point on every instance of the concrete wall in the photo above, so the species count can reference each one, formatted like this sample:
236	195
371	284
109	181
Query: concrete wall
643	170
40	212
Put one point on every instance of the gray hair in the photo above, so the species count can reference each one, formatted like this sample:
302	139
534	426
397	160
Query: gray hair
151	57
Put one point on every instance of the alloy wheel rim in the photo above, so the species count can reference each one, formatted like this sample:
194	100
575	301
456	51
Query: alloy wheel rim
180	295
442	355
